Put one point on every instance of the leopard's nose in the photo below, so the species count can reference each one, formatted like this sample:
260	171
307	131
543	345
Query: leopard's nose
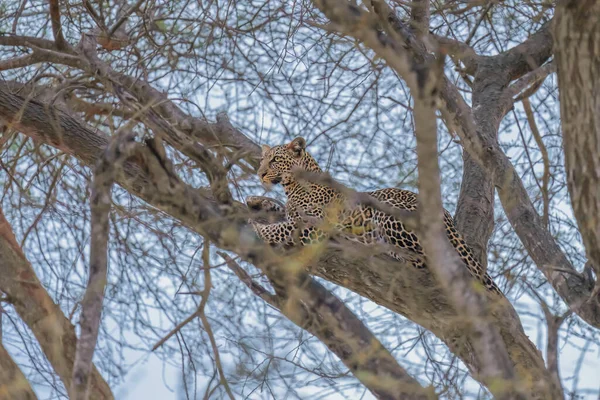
262	175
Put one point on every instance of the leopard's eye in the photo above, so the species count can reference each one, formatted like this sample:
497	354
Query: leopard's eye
277	159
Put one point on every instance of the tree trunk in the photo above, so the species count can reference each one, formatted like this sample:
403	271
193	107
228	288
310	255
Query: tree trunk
577	50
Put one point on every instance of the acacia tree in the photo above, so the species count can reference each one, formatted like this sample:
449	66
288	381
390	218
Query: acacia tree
131	138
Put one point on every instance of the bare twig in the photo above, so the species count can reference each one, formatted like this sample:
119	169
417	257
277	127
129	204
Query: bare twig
545	159
205	323
124	17
175	330
480	19
247	280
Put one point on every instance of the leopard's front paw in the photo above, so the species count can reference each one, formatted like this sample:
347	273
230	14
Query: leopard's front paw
254	203
261	203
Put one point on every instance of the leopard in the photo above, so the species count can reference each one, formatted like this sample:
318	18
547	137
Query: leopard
311	205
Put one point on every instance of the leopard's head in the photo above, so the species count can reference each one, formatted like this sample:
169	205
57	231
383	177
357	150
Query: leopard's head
278	161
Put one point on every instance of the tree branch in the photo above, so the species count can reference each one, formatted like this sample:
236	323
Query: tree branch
578	59
325	316
450	271
194	207
61	43
54	332
530	79
419	16
118	150
13	384
545	159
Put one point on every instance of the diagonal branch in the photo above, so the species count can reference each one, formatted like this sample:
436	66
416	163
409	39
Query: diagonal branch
13	383
150	180
530	79
450	271
53	331
325	316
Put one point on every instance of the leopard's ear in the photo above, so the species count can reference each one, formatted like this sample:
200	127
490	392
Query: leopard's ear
297	146
265	148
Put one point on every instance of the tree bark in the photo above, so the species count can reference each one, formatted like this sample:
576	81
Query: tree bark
13	384
53	331
577	49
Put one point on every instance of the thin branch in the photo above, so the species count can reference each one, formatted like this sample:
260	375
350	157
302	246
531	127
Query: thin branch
480	19
205	323
530	79
124	17
17	16
545	159
97	18
175	330
59	38
247	280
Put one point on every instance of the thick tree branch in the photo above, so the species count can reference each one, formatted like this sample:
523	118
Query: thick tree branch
459	51
318	311
54	332
119	149
528	56
13	384
18	62
419	16
577	50
155	184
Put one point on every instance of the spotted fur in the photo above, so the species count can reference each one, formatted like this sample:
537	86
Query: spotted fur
311	205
